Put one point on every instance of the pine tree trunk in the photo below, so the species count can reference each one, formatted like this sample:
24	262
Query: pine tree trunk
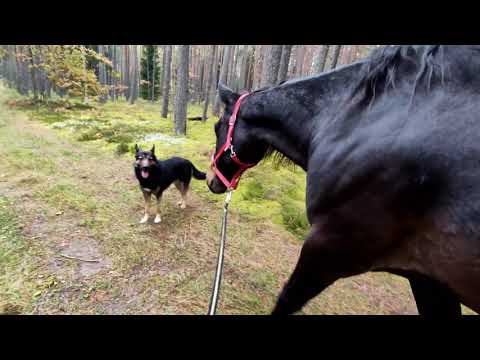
322	58
166	79
102	74
41	74
242	81
181	93
344	54
352	57
210	89
154	68
299	60
250	70
149	81
200	81
206	72
258	62
33	73
19	77
113	79
134	74
233	78
162	70
307	62
223	76
336	53
271	65
285	60
126	70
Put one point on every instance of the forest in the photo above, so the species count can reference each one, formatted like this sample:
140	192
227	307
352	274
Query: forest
172	75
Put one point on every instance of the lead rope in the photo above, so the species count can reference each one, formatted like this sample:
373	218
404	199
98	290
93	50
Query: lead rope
218	272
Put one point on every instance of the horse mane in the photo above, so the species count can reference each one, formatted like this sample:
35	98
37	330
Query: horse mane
381	67
278	159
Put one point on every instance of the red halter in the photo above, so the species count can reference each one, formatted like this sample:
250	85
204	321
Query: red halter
231	185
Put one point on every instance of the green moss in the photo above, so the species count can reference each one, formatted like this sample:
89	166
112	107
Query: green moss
254	190
122	148
293	216
89	135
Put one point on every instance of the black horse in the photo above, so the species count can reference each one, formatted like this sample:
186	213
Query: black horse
391	147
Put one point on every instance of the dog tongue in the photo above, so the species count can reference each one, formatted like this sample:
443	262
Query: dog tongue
144	174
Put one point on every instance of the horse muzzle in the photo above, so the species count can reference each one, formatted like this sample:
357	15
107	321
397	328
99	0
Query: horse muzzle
214	183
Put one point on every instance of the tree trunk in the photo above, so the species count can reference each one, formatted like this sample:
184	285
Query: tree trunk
232	73
250	70
126	71
299	60
352	56
134	74
33	72
210	89
322	58
113	78
18	69
200	81
344	54
336	53
308	61
162	71
102	74
223	76
284	61
257	71
166	79
154	69
181	93
242	81
206	73
271	65
147	68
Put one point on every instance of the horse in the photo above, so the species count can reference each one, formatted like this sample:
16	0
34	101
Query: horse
391	149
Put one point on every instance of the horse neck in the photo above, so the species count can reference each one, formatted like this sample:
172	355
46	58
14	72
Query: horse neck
286	117
273	124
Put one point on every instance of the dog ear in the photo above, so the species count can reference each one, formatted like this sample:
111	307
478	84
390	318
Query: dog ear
137	149
153	149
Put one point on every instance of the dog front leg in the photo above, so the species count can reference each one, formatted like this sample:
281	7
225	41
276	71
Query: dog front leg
158	218
147	196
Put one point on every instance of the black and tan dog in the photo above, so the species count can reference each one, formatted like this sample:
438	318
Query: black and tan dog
155	176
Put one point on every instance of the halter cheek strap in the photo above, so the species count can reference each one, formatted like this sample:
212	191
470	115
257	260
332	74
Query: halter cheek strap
228	146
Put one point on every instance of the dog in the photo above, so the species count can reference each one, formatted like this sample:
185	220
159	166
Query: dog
155	176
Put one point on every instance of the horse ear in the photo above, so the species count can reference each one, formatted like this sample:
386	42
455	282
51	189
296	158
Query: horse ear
153	149
137	149
227	95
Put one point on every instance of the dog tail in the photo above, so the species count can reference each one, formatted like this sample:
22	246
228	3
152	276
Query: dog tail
197	174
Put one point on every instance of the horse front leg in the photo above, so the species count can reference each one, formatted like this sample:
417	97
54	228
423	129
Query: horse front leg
320	264
433	298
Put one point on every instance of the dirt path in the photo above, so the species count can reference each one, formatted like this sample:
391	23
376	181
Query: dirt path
72	199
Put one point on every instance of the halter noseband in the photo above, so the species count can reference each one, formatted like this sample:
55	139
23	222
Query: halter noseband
231	185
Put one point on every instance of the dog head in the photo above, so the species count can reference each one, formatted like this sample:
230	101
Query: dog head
144	160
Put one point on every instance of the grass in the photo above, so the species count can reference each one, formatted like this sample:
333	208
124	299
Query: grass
68	188
18	287
116	127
